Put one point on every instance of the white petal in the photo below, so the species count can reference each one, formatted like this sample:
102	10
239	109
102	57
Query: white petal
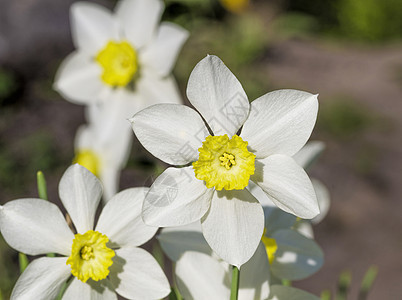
254	276
139	19
171	132
217	94
110	140
297	257
287	185
175	241
234	225
155	89
309	153
80	192
92	26
176	198
42	279
162	53
280	292
137	275
275	218
121	219
305	228
280	122
92	290
324	200
78	79
35	226
199	276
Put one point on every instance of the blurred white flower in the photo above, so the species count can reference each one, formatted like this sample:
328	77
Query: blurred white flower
273	128
103	260
121	59
104	153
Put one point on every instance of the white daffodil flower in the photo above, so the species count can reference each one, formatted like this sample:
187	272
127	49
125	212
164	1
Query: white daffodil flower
103	261
103	152
200	274
121	59
305	158
213	189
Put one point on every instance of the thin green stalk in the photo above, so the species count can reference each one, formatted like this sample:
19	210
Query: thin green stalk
42	192
367	282
42	187
23	261
234	291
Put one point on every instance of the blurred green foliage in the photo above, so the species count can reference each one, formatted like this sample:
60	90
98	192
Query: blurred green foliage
8	84
358	20
343	118
19	163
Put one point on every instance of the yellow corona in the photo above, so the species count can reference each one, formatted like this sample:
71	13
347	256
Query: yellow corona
270	246
90	257
119	63
224	163
89	160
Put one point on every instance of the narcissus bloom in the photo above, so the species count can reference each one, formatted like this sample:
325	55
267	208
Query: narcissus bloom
123	58
103	260
239	142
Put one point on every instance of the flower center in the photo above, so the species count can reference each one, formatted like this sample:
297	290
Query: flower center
119	63
227	160
89	160
90	257
224	163
270	246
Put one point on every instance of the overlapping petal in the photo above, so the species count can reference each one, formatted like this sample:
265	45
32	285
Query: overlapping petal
35	226
217	94
92	26
136	275
176	136
94	290
78	79
308	154
175	241
155	89
80	192
324	200
200	276
287	185
121	219
254	276
297	256
162	53
139	19
42	279
176	198
275	218
280	122
234	225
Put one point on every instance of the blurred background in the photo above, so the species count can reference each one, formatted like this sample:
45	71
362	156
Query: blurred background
348	51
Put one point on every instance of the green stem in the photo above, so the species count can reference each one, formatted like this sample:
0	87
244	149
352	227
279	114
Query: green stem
23	261
42	188
234	291
42	192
